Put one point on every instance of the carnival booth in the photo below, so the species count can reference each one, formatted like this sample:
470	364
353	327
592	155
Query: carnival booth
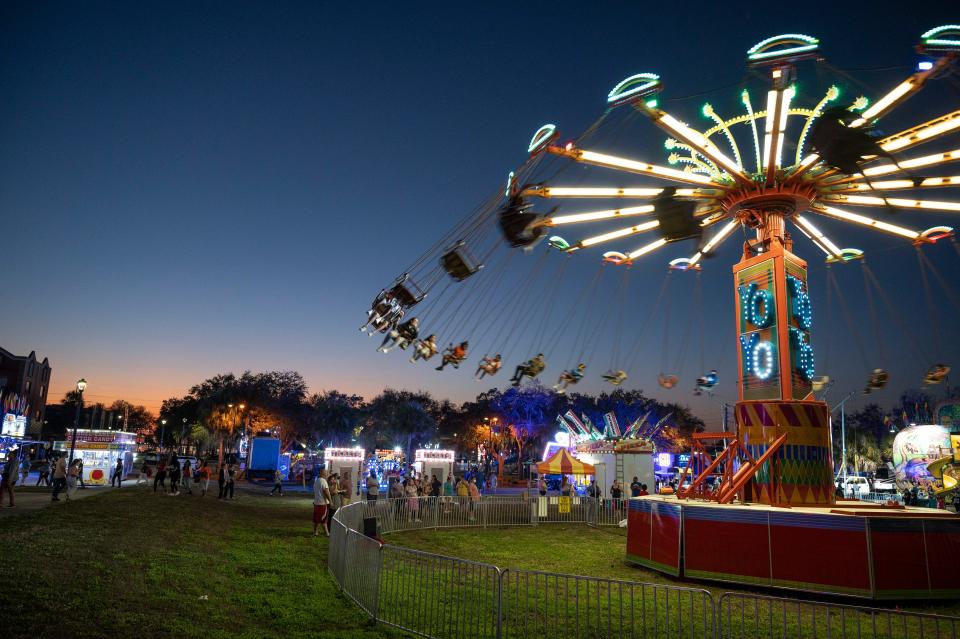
563	508
564	464
349	464
433	461
619	460
100	450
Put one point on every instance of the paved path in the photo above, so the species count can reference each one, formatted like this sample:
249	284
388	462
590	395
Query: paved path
35	498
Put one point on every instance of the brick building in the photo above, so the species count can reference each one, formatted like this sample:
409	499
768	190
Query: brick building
28	378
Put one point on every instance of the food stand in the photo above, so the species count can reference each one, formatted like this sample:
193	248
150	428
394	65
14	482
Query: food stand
100	450
433	461
349	464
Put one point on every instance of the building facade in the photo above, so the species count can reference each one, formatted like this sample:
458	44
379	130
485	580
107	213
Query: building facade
24	383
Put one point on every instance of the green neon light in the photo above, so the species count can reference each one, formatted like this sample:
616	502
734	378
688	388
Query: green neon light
543	135
509	184
761	50
928	37
637	85
558	243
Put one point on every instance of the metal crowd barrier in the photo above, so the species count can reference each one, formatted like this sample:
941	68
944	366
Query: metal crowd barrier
437	596
742	615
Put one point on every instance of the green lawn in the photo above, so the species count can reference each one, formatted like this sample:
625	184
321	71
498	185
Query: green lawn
133	564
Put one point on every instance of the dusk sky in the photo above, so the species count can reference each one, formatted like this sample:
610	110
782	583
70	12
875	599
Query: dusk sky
195	188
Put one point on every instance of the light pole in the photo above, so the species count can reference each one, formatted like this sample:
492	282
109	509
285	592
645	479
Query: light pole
81	386
843	434
163	430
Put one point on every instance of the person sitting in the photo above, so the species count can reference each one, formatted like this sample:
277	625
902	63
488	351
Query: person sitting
667	381
571	376
615	377
424	348
705	383
530	368
384	305
878	379
488	366
454	355
401	336
936	374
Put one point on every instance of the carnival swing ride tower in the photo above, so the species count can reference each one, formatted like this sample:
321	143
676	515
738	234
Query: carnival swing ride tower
763	511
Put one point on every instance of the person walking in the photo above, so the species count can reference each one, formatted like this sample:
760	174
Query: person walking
336	499
321	502
278	483
373	487
173	470
187	474
24	469
44	472
59	478
144	475
474	496
542	486
204	474
231	480
117	475
161	476
11	470
73	475
413	500
80	473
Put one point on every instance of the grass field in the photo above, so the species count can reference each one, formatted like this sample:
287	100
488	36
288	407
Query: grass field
130	563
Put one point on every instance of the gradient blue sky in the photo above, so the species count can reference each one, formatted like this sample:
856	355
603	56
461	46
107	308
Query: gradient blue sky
194	188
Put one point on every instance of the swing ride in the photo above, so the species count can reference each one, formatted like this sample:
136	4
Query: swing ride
819	159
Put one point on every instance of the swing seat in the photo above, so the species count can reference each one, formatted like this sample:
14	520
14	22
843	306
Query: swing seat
615	377
676	216
708	381
519	224
667	381
841	147
878	379
458	263
819	383
936	374
406	291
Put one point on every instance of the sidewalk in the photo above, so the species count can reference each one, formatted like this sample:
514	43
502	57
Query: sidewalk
37	497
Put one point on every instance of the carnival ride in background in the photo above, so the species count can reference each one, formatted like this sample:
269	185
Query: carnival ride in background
786	162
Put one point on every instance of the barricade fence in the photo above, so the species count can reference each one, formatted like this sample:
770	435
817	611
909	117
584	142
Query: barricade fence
437	596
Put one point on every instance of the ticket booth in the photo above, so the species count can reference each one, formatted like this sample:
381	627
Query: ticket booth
349	464
433	461
100	450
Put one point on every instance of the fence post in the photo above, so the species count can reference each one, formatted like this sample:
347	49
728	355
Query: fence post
376	592
500	574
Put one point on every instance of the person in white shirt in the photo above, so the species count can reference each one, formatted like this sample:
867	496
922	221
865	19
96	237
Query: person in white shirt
321	502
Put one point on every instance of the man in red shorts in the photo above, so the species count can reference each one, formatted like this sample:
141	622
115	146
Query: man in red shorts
321	502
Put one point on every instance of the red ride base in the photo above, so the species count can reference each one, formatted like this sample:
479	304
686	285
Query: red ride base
855	548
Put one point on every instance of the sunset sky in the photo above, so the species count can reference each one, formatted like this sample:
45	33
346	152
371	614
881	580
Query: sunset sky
195	188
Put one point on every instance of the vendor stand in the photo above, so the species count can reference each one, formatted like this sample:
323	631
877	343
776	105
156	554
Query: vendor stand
349	464
431	462
100	450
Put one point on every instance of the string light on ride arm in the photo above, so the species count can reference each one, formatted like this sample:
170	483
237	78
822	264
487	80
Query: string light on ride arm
632	166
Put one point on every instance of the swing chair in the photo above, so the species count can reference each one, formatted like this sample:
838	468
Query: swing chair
519	224
820	382
403	335
676	216
488	366
406	291
569	377
384	314
667	381
615	377
841	147
454	355
936	374
878	379
706	383
458	263
424	349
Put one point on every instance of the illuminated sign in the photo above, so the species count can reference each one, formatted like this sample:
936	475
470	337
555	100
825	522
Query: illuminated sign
346	454
757	314
433	455
14	425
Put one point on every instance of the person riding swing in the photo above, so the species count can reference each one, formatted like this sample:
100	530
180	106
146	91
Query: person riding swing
569	377
403	335
615	377
530	368
424	348
488	366
454	355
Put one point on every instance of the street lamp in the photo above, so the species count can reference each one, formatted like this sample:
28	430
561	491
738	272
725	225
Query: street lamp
163	429
81	386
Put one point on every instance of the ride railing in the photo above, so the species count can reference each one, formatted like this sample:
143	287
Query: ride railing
881	498
437	596
742	615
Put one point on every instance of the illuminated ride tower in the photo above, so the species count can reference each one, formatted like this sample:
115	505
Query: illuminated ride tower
763	512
